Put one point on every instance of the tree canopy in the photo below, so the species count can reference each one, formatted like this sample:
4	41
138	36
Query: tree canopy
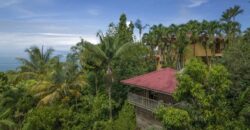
83	91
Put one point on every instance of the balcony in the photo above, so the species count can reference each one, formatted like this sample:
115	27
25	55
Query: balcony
143	102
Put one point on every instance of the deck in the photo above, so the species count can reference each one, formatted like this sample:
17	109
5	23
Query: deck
143	102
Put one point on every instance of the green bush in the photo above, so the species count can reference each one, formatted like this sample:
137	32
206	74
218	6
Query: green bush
126	119
47	118
173	118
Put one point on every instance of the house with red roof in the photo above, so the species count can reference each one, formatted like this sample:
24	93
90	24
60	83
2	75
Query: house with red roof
156	88
151	90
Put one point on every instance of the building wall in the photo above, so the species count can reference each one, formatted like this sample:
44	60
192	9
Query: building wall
198	50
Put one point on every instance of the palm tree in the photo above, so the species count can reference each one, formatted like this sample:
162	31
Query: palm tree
38	64
231	30
107	52
231	27
246	35
193	28
89	63
235	11
65	81
182	42
140	27
204	37
158	32
169	42
156	39
214	34
231	13
210	32
148	40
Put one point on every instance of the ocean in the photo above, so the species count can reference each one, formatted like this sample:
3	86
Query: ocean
11	62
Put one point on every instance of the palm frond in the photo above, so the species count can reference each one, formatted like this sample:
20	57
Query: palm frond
27	65
47	55
28	75
95	50
5	114
48	99
4	123
123	49
40	86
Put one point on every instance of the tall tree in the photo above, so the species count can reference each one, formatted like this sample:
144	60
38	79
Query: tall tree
193	28
124	30
140	27
246	35
181	43
90	64
65	82
157	41
231	27
215	37
169	40
236	59
203	93
107	52
204	38
210	35
231	13
38	64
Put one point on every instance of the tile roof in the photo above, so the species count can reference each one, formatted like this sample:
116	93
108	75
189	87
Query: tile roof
162	81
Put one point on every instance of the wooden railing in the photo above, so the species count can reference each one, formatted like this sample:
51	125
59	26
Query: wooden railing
143	102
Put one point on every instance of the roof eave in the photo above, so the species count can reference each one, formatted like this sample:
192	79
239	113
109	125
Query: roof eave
143	87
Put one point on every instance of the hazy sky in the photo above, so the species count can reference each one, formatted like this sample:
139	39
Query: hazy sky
61	23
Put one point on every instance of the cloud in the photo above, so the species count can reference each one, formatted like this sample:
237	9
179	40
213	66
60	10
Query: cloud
7	3
184	14
196	3
14	44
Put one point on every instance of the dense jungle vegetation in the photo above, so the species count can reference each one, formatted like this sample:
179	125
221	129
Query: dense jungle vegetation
84	91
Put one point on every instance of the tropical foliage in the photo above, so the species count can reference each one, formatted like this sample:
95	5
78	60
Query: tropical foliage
83	92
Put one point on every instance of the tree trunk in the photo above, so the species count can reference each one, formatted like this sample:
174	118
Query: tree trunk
178	64
213	51
159	62
140	33
96	84
194	49
206	55
110	82
181	61
110	102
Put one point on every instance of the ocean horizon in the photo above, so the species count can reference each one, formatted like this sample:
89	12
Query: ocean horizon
8	63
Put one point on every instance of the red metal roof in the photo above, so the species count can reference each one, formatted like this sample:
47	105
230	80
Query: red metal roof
162	81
